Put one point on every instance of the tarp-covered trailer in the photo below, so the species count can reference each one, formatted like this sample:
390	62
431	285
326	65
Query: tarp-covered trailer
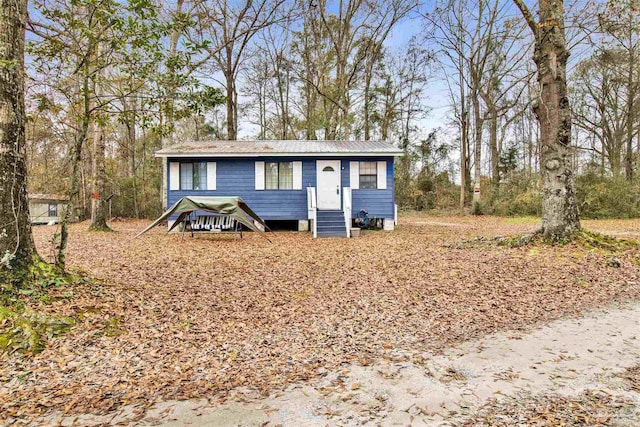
232	207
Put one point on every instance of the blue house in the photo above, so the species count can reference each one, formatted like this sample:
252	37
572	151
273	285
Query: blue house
320	184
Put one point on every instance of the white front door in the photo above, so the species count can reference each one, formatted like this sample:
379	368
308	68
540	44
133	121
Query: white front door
328	177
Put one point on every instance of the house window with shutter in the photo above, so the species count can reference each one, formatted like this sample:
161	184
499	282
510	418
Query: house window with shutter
193	176
278	175
368	175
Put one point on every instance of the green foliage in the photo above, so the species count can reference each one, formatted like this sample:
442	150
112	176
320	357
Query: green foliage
478	208
204	99
137	196
22	329
609	244
606	197
517	196
8	64
25	331
508	160
427	192
112	327
429	187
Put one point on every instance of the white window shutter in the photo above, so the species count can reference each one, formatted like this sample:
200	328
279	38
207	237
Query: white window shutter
354	175
259	175
382	175
174	175
211	175
297	175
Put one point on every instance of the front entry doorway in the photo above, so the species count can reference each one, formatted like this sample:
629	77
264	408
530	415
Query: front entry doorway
328	179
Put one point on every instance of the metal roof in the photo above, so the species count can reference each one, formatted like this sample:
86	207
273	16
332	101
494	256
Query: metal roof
279	148
57	197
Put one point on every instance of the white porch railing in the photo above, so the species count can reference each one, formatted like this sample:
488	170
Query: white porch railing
312	209
346	208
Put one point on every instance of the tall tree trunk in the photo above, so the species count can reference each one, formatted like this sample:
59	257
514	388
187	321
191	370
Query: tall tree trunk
132	139
495	150
367	103
529	150
231	110
76	163
16	243
559	209
262	108
169	110
631	94
477	154
464	155
232	114
368	78
131	133
98	182
98	167
172	86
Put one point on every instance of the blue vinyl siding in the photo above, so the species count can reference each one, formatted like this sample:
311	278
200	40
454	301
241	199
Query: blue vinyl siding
379	203
236	177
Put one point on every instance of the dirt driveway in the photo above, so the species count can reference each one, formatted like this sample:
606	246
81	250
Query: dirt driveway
495	380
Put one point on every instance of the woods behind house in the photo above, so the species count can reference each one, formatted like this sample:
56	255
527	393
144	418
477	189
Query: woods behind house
450	82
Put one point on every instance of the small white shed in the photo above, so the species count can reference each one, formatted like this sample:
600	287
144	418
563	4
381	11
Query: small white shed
47	208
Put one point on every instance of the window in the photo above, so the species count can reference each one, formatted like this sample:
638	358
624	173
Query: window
328	169
368	175
193	176
278	175
53	209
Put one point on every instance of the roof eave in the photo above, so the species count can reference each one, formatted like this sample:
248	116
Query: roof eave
315	154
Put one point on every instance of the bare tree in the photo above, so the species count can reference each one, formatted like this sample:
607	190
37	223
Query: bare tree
601	106
621	23
228	30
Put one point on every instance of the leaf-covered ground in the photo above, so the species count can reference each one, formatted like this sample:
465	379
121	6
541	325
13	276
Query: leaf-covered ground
588	409
174	319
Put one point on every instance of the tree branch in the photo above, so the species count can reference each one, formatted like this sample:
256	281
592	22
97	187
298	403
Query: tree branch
528	16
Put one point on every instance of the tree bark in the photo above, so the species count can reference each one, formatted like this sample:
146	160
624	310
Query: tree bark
98	209
464	156
559	210
98	167
631	94
477	154
232	126
367	104
17	249
76	166
169	110
495	150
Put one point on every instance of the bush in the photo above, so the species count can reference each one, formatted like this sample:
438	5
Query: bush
519	196
426	192
607	197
